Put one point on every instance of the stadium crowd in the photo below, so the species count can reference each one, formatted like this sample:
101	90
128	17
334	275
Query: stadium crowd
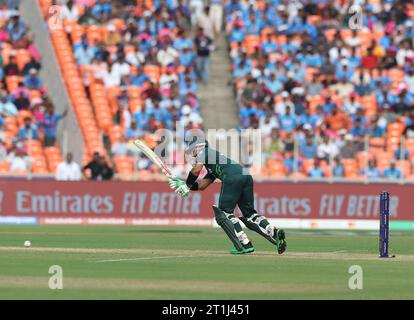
27	118
333	92
143	55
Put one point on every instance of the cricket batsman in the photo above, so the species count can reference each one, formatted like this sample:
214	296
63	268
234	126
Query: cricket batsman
236	189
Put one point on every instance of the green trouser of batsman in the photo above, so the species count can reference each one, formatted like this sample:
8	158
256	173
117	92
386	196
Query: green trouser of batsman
237	189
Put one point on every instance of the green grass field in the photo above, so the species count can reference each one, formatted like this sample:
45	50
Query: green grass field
193	263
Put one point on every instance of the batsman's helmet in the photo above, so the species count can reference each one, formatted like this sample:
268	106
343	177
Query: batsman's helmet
195	141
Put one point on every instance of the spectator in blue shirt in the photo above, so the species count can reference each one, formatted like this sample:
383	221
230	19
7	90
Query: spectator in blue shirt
85	42
49	125
337	168
28	131
32	81
16	28
308	118
253	25
165	22
289	162
392	172
102	7
312	58
160	114
183	41
232	6
242	70
7	108
187	87
354	60
374	129
308	147
316	171
385	41
401	155
269	46
360	114
328	105
139	78
288	120
84	54
344	72
358	129
134	132
272	84
246	112
141	117
2	122
238	33
372	172
186	57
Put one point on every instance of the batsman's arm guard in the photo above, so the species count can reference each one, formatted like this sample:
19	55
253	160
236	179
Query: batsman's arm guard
227	227
191	179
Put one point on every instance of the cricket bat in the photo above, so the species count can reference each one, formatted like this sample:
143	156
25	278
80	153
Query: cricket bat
141	145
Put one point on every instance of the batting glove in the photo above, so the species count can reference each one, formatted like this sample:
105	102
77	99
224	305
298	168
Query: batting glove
182	190
179	187
174	182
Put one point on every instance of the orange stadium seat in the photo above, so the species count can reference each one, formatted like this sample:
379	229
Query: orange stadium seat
307	164
376	145
153	72
350	167
384	160
12	82
395	129
123	164
251	42
330	33
366	38
362	158
94	34
393	143
4	167
369	103
396	74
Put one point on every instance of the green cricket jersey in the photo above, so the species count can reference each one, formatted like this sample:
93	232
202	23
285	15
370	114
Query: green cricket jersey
218	165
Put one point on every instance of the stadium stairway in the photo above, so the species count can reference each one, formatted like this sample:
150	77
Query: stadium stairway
218	106
51	75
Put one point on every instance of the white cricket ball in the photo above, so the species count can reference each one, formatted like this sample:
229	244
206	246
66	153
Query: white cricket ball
27	243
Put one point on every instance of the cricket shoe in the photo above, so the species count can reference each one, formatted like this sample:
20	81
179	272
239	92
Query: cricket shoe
280	237
247	248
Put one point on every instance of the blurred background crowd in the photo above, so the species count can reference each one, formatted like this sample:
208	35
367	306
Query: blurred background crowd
329	83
